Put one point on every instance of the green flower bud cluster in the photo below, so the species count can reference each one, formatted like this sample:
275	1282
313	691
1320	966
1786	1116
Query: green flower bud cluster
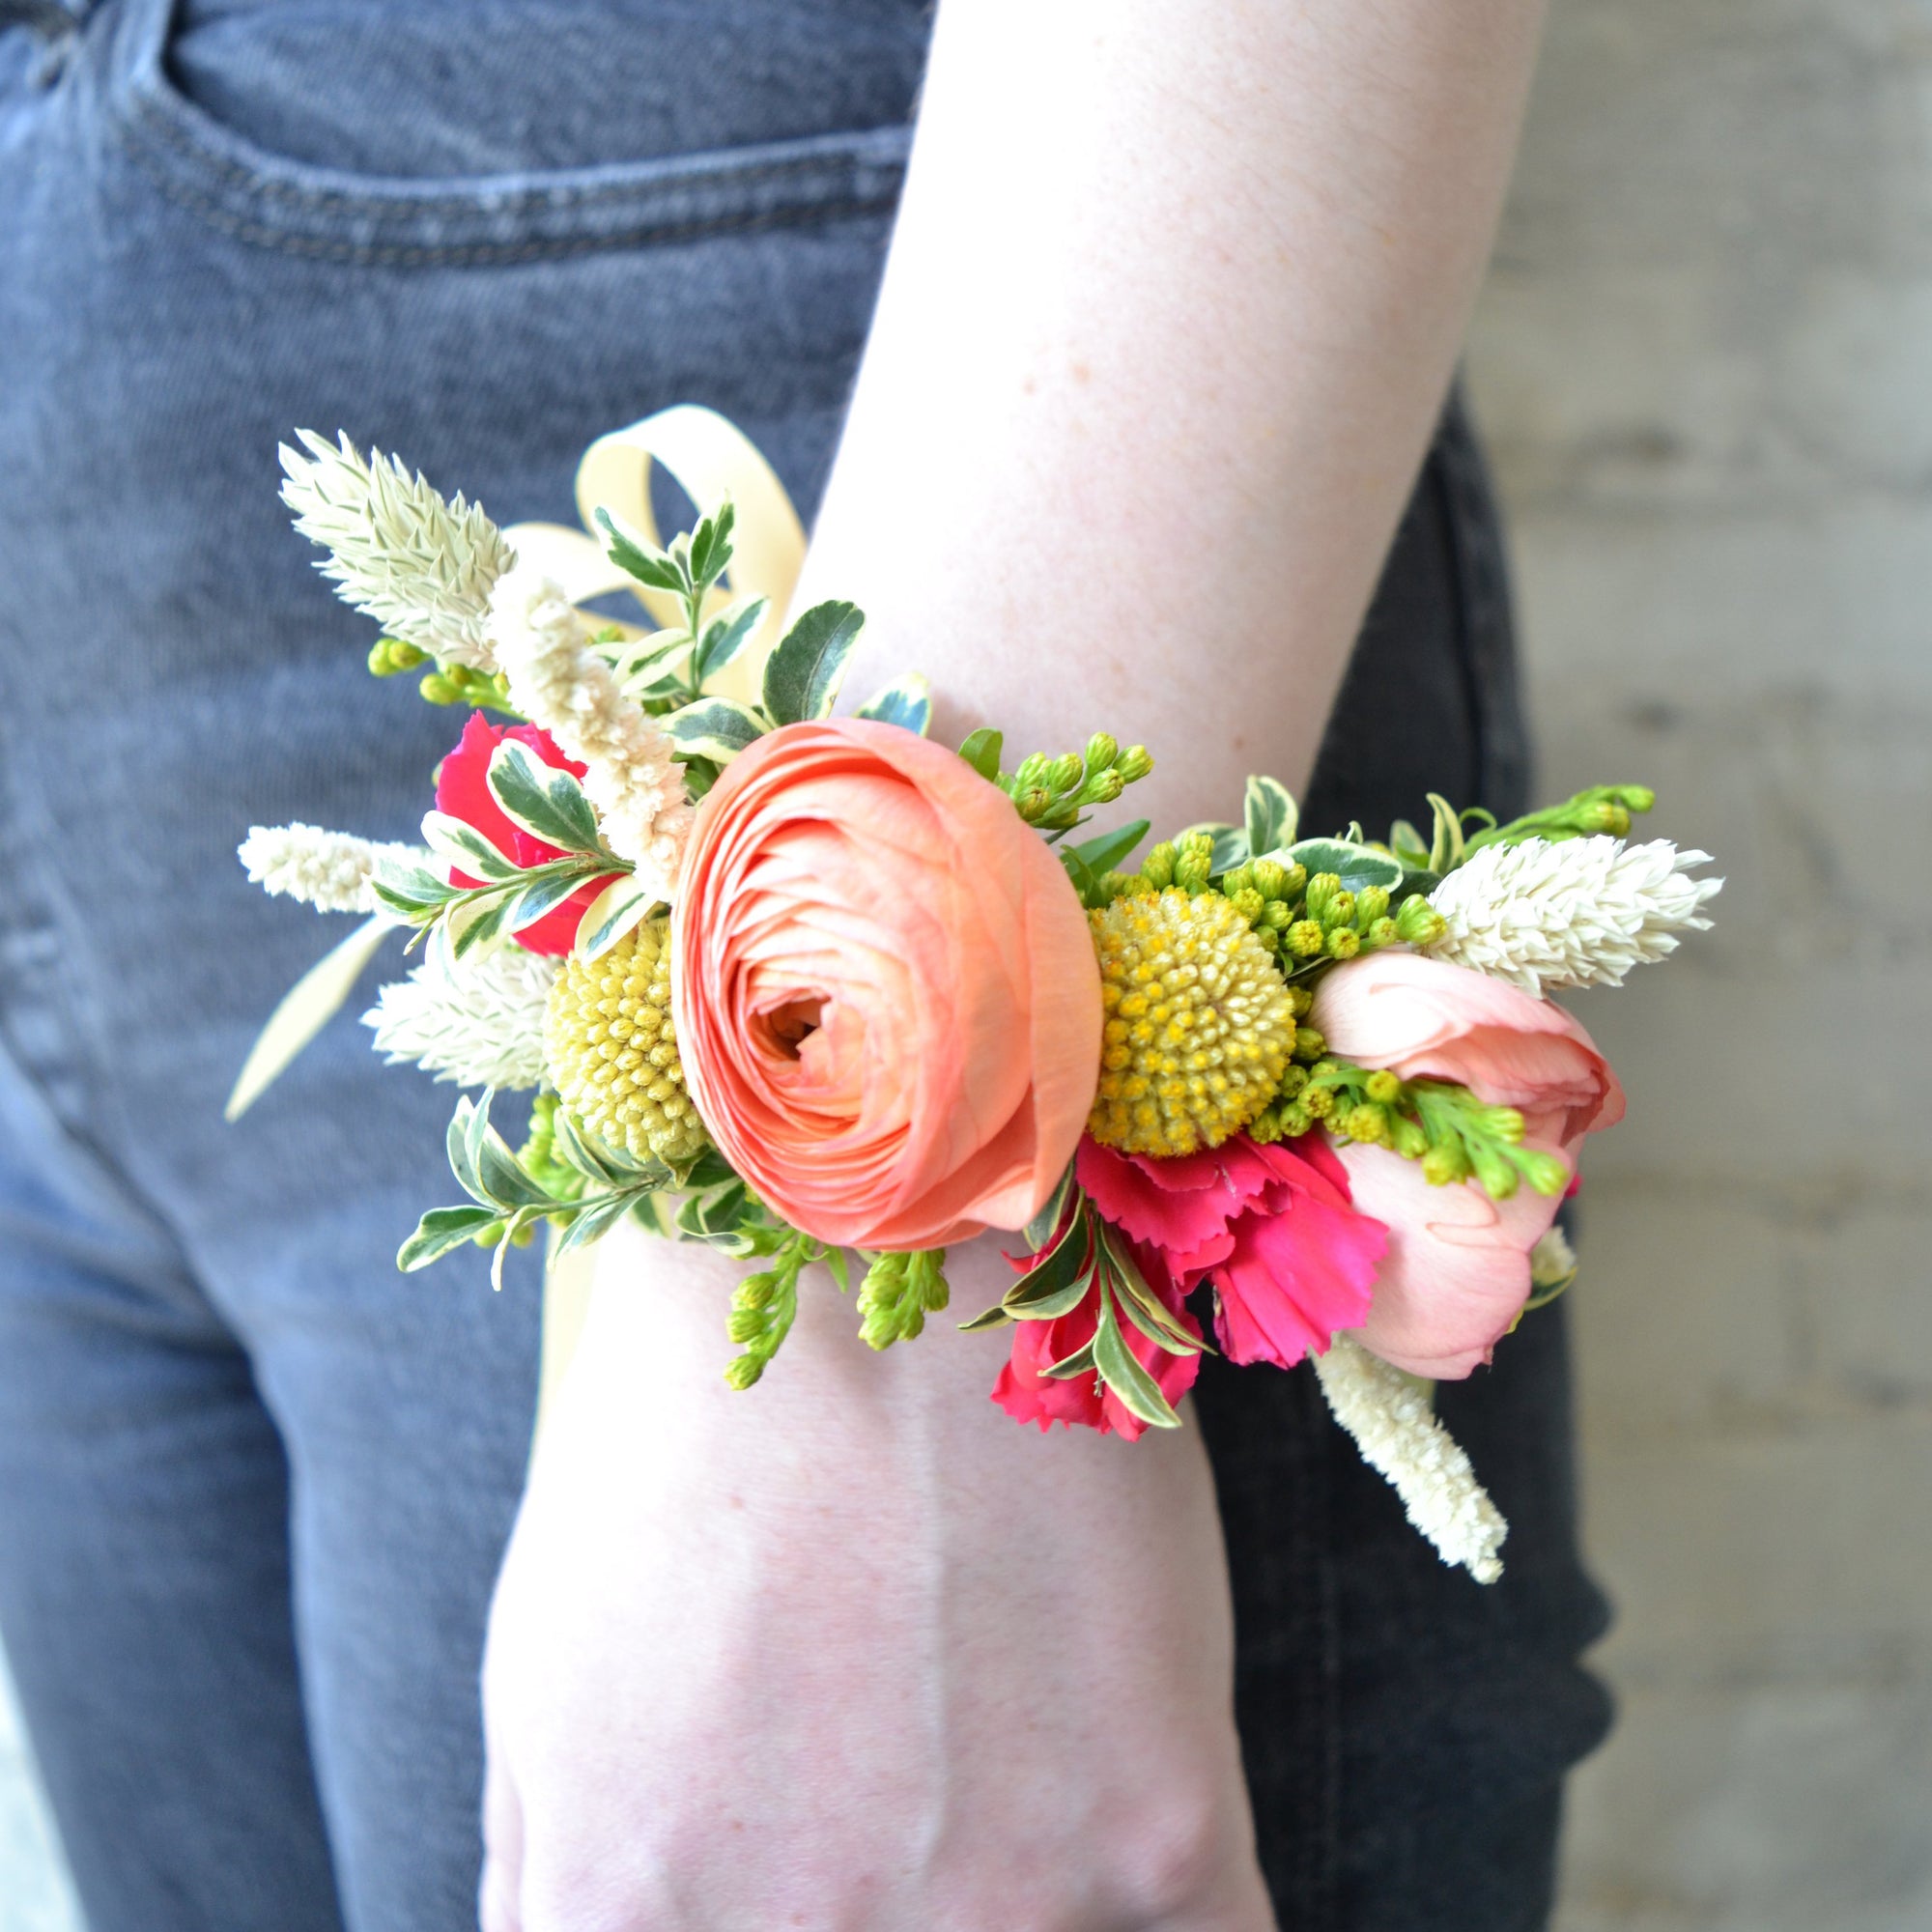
1601	810
1052	793
1454	1135
458	684
763	1308
1304	922
898	1292
538	1157
389	656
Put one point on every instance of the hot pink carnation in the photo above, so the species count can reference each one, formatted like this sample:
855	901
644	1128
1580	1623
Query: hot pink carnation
1457	1267
1029	1395
1271	1227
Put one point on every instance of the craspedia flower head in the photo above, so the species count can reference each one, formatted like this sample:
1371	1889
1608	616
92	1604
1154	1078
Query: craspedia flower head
1200	1027
611	1050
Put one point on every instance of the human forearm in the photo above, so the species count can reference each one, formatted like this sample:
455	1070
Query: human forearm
1174	300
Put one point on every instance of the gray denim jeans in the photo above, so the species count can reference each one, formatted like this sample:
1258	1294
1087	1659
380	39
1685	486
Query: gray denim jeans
254	1484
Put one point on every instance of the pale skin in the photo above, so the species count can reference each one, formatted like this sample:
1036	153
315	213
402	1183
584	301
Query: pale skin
1174	300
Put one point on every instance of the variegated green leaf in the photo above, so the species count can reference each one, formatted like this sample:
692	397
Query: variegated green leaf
545	800
1122	1371
610	914
804	672
1271	814
907	702
726	638
715	728
466	848
440	1229
628	550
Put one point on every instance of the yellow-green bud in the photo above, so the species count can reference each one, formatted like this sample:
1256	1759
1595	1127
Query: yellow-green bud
1408	1137
1157	868
1444	1165
1305	938
1322	890
1295	1120
1269	938
1302	999
1064	773
1545	1172
1032	803
1295	881
1134	764
1192	869
742	1371
1370	903
1604	814
1032	772
744	1324
523	1235
489	1236
1242	879
1505	1123
1104	788
1292	1080
1247	902
1102	751
754	1293
1265	1130
440	690
1277	916
1418	923
1384	1086
389	655
1367	1123
1117	885
1270	878
1308	1043
1318	1102
1381	934
1498	1176
1338	910
1342	943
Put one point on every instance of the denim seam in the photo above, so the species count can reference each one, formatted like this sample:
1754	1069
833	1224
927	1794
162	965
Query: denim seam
411	203
476	254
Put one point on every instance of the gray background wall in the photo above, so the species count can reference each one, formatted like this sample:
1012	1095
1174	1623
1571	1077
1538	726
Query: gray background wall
1705	363
1704	360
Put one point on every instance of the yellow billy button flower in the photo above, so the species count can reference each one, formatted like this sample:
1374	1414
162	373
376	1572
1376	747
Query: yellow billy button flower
1199	1026
612	1050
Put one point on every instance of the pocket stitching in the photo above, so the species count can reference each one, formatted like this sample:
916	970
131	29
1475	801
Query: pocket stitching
397	254
153	118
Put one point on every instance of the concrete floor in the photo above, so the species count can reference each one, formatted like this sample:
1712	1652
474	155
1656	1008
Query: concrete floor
1705	363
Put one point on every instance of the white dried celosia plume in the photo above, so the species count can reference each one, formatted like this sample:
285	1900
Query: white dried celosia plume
1552	1262
477	1020
421	567
330	870
1572	912
557	681
1388	1414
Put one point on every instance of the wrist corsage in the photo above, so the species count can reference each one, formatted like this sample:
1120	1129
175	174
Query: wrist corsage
818	989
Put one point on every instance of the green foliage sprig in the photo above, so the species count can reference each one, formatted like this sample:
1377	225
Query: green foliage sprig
1081	1255
545	802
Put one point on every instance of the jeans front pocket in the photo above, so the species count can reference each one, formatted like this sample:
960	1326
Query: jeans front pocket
334	214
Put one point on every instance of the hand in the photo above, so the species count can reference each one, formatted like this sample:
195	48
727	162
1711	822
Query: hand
852	1648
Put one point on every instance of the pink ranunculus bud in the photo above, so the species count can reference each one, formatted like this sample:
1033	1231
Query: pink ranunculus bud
1457	1272
888	1004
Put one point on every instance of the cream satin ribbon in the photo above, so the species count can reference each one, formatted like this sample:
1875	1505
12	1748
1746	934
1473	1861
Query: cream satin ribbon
710	457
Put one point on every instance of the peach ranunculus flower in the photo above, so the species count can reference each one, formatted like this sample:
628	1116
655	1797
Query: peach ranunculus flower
888	1004
1457	1271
